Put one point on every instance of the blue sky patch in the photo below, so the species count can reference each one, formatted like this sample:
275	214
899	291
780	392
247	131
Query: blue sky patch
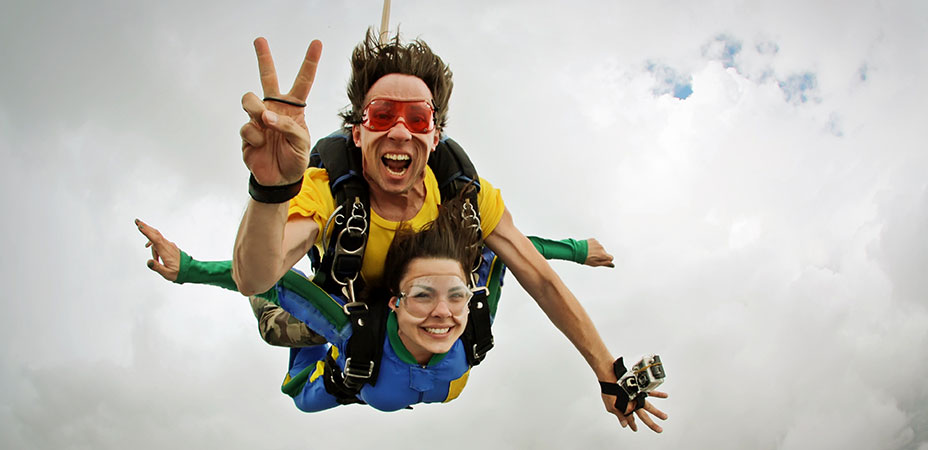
669	81
723	48
799	88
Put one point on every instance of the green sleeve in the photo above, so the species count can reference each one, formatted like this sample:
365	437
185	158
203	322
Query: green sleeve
565	249
213	273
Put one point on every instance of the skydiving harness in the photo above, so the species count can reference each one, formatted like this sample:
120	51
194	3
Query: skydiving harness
345	236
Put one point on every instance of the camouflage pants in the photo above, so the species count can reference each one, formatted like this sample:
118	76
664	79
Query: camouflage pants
278	327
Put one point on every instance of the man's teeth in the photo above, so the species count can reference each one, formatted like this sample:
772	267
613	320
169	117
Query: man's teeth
395	159
401	172
437	330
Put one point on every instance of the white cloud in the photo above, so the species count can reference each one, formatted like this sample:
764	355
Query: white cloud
771	251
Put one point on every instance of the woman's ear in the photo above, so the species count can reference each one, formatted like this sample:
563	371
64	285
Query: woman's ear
392	303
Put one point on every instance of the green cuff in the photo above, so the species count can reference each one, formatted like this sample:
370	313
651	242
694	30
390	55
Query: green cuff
214	273
565	249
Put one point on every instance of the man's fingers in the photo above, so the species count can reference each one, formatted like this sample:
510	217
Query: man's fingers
304	79
296	135
631	422
649	407
648	421
658	394
254	106
266	68
252	135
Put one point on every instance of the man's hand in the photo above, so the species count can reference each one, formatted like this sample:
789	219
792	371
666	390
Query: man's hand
596	255
275	142
642	413
164	253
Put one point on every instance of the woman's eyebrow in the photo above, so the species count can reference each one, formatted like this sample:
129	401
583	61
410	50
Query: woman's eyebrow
423	287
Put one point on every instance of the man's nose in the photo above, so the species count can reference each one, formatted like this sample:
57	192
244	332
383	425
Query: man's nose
400	131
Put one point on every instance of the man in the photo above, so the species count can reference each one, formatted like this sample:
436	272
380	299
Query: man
391	85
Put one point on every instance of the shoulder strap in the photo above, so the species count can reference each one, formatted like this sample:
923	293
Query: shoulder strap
454	171
348	226
338	270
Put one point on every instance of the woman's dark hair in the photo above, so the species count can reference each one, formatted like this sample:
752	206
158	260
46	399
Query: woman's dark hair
448	236
371	60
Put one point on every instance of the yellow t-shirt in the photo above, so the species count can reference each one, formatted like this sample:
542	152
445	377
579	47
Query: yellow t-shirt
315	201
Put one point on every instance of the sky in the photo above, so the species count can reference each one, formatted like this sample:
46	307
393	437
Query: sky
755	167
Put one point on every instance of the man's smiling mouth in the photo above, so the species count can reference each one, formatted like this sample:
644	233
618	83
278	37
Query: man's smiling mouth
396	164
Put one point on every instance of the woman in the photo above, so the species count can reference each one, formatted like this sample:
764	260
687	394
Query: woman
423	358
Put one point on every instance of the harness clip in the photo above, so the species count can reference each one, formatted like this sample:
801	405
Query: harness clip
481	352
358	372
355	307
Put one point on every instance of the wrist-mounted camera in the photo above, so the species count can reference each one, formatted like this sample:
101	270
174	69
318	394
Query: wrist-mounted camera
634	385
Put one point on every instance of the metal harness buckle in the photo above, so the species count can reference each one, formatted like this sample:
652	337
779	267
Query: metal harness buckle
480	353
358	372
354	306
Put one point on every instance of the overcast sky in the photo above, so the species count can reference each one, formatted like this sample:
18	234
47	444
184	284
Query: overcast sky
757	168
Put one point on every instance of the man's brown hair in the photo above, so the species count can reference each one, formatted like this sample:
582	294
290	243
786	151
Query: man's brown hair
448	236
371	60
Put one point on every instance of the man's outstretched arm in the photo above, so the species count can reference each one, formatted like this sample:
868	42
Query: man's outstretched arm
275	148
268	245
562	308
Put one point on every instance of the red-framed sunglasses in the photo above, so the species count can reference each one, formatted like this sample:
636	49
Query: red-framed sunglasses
382	114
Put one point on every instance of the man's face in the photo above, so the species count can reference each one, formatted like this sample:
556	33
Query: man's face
394	160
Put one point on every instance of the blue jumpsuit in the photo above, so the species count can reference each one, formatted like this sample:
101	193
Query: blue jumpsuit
401	380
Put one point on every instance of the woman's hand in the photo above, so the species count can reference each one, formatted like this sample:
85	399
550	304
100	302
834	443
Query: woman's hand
164	253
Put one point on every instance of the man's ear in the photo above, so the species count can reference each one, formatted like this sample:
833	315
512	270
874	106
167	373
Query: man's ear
436	140
356	135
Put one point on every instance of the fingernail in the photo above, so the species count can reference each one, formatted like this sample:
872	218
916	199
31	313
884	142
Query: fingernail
150	264
271	117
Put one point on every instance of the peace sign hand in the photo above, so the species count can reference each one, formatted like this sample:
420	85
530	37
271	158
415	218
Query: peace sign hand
275	142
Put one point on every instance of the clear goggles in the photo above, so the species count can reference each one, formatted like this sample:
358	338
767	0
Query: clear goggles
422	295
382	114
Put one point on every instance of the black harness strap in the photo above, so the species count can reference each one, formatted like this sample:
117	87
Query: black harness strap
453	169
345	248
455	172
477	336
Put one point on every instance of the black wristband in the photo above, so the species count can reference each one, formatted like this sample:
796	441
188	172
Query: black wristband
285	101
273	194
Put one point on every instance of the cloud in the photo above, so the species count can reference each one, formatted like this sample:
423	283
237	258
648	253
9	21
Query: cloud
770	248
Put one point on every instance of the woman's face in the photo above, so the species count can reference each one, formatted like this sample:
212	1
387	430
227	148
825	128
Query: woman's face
431	310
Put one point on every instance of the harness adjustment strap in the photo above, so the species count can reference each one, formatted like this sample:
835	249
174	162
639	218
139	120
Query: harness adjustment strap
478	327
